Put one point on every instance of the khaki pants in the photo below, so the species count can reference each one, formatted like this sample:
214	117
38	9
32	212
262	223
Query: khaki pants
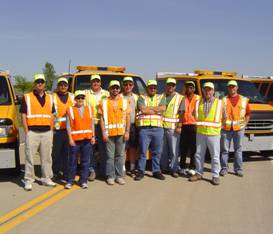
42	142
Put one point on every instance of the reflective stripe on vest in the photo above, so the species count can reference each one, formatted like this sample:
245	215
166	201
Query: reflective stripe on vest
38	115
211	124
170	115
234	120
60	121
114	129
154	120
188	116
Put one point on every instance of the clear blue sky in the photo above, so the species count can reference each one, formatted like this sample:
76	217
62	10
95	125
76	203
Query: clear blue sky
146	36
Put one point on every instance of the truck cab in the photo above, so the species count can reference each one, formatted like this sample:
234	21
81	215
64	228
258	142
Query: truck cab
259	131
81	79
265	86
9	139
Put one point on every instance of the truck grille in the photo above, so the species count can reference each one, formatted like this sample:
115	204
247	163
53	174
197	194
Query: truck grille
260	125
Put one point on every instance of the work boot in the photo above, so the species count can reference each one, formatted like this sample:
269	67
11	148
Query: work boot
158	175
48	182
139	176
110	181
223	172
28	186
239	173
120	181
174	174
195	177
215	180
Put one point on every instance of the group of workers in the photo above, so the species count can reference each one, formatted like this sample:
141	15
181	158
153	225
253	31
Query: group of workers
65	129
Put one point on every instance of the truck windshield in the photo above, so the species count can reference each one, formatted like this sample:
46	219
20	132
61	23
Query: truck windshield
82	82
5	98
246	89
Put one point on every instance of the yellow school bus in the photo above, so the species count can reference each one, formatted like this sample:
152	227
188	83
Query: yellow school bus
9	140
259	131
265	86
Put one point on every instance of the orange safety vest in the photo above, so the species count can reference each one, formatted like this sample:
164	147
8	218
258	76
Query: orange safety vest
38	115
234	115
188	117
114	119
81	127
60	110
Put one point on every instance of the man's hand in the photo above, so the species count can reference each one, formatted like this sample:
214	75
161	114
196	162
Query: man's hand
93	140
72	143
126	136
105	138
178	130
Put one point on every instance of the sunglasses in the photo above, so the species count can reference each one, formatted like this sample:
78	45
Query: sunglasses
80	97
63	84
151	87
39	81
115	87
128	84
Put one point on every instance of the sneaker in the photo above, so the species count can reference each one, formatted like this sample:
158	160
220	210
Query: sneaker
158	175
110	181
191	172
48	182
223	172
84	185
215	180
174	174
184	172
120	181
92	176
139	176
68	186
239	173
28	186
195	177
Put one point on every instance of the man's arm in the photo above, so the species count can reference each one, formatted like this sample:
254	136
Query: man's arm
24	121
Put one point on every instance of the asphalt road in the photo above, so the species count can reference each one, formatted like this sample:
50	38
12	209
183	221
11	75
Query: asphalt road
238	205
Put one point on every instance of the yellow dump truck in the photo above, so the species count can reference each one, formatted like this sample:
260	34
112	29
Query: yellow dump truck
259	131
9	140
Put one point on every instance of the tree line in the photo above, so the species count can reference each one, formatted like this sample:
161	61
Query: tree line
23	85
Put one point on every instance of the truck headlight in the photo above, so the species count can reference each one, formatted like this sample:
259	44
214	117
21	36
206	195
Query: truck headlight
7	131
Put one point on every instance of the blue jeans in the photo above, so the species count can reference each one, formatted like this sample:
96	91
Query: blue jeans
170	152
114	147
153	137
226	138
83	147
213	144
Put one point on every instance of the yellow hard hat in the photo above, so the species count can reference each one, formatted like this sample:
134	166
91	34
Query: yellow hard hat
151	82
39	77
114	82
190	82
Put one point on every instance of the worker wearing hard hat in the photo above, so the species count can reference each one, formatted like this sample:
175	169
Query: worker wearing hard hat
62	99
115	125
131	144
208	116
81	134
235	118
188	124
93	97
37	117
149	122
171	140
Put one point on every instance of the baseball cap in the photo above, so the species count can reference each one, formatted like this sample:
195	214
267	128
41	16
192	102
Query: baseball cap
151	82
209	85
95	76
171	81
62	79
232	82
114	82
79	92
190	82
128	78
39	77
